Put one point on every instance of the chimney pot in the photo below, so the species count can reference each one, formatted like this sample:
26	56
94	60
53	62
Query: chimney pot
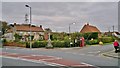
14	23
40	26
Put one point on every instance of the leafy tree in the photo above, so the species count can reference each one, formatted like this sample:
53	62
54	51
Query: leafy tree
48	30
17	37
4	26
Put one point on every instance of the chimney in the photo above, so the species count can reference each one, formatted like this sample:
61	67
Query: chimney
40	26
87	23
14	24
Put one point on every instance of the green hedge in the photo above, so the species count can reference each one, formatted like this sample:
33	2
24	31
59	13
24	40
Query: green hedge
17	37
58	43
106	39
92	42
61	44
90	35
39	44
4	41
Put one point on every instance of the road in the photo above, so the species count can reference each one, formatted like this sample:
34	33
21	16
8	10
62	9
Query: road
89	55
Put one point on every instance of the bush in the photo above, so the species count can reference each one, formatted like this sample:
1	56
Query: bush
58	43
90	35
37	44
55	43
4	41
67	43
92	42
17	37
106	39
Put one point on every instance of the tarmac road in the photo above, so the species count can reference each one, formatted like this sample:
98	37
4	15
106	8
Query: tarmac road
70	54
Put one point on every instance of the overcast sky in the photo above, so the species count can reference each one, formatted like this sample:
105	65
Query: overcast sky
58	15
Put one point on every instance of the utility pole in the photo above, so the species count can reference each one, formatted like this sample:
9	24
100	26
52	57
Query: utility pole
113	28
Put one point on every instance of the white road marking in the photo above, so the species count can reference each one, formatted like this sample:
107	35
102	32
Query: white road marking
80	54
37	55
52	59
95	52
87	64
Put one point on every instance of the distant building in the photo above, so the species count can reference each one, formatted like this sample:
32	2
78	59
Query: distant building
21	28
116	34
25	29
89	28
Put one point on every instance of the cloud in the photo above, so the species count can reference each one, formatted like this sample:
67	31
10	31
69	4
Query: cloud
58	15
60	0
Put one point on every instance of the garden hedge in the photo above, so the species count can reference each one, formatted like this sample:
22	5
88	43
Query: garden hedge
39	44
106	39
92	42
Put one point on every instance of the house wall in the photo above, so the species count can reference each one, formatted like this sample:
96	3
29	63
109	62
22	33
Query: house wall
32	33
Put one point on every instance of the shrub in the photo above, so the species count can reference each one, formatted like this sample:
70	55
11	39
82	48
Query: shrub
55	43
42	43
61	44
58	43
90	35
67	43
17	37
92	42
37	44
106	39
4	41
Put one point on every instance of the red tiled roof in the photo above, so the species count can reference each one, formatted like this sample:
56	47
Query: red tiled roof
27	28
88	28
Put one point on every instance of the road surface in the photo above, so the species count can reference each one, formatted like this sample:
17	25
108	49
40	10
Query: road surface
87	56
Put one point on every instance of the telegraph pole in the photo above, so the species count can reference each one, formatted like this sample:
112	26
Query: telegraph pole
113	28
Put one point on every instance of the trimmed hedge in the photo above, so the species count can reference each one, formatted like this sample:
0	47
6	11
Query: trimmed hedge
61	44
58	43
106	39
39	44
103	39
92	42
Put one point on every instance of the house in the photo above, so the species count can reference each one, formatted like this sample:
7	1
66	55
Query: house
19	28
25	31
116	34
89	28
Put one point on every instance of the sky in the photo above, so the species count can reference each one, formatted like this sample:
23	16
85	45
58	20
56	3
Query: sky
58	15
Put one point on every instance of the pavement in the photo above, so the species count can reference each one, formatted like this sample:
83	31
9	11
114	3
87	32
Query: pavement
112	54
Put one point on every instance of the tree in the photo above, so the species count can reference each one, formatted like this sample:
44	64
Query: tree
48	30
4	26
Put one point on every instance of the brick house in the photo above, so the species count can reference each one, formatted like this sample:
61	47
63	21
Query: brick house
89	28
24	30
